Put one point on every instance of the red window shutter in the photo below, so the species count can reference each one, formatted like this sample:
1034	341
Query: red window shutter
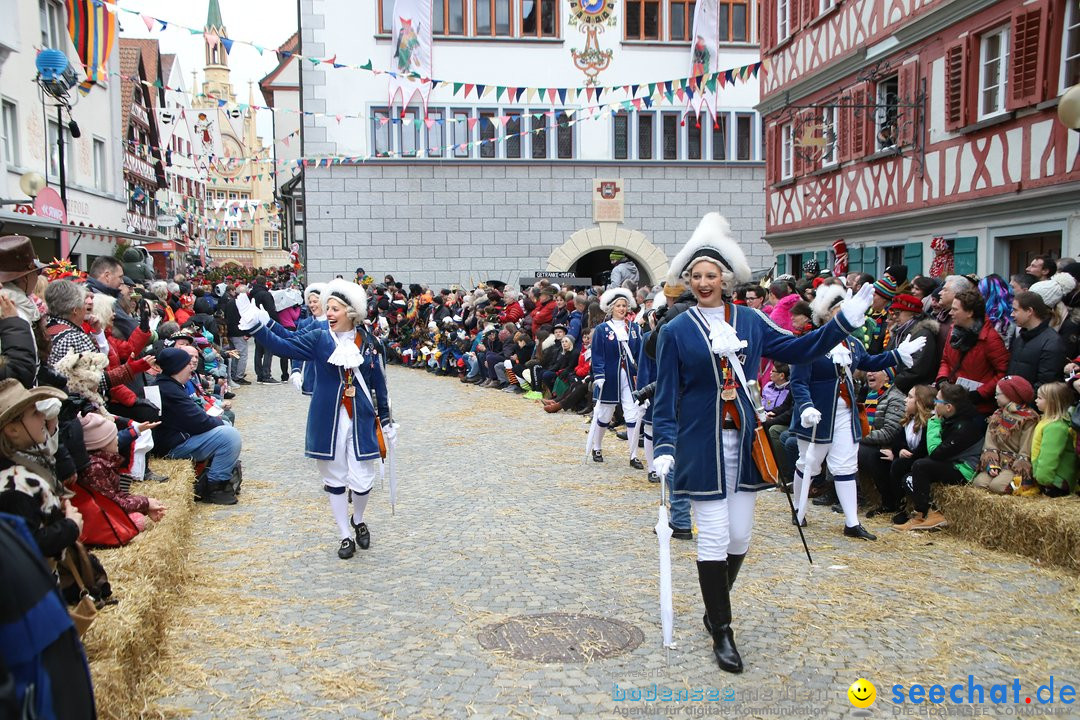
908	118
844	121
767	18
956	75
862	119
794	16
1027	56
772	152
808	11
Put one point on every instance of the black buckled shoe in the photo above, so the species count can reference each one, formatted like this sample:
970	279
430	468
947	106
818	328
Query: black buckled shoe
654	478
597	456
637	464
363	535
347	549
858	531
682	533
795	521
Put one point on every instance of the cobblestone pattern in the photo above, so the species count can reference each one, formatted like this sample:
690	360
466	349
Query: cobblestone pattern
498	517
465	223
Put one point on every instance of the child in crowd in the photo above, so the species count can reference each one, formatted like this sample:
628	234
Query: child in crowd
1005	465
102	475
777	403
908	446
1053	454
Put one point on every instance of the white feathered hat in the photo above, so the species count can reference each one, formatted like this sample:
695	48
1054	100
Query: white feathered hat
711	241
316	288
826	297
610	296
349	293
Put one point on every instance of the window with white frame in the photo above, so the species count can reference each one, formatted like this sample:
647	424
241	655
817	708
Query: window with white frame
829	155
271	240
787	151
694	139
100	162
620	133
670	136
993	71
53	30
783	19
564	135
9	126
234	238
824	5
1070	47
459	132
538	135
436	138
409	133
380	128
512	131
744	135
646	131
887	113
487	134
720	135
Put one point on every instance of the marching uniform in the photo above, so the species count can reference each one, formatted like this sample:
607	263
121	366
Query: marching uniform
702	415
616	345
646	375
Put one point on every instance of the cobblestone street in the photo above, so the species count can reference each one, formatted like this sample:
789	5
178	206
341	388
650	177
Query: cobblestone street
498	518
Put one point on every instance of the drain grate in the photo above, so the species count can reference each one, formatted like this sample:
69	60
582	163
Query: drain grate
561	637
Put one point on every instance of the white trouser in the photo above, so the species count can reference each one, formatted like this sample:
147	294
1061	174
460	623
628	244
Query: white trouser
724	526
344	470
842	454
602	414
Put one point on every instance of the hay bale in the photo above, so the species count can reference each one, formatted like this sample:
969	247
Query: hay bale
123	643
1042	528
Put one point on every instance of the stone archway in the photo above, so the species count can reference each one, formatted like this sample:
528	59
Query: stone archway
610	235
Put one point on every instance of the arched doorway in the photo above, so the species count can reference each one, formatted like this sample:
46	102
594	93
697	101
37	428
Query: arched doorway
597	266
587	253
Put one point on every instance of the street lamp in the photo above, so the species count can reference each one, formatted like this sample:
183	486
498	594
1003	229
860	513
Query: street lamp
55	77
1069	108
31	184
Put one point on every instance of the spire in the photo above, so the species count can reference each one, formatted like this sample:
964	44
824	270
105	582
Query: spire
213	15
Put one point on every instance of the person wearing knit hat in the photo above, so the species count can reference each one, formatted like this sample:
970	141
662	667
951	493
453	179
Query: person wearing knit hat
898	274
102	475
704	410
623	269
1053	291
1005	462
829	429
616	344
350	406
910	322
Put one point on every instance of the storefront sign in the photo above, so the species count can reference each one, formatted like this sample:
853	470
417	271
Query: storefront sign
48	204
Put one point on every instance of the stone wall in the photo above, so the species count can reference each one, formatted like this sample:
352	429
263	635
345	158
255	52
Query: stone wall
466	222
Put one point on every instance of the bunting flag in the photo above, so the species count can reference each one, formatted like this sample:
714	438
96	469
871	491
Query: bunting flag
411	57
92	28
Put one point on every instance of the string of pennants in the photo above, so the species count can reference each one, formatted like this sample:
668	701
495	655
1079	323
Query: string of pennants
688	85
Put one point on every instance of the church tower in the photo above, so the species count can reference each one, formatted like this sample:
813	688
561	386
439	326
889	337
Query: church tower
216	80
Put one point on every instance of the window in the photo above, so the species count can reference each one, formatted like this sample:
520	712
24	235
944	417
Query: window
409	134
538	125
621	133
54	153
459	132
512	130
298	203
271	240
720	137
993	64
386	16
53	29
380	128
492	17
734	21
565	137
829	156
671	136
680	19
783	19
539	18
100	162
234	238
1070	48
436	138
885	116
787	149
448	17
645	143
487	133
9	126
642	19
693	136
744	136
234	196
826	5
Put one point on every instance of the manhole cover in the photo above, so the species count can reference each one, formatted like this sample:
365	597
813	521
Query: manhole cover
561	637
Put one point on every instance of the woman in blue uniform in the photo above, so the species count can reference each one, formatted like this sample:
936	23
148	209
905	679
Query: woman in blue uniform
702	415
615	347
348	404
303	374
828	427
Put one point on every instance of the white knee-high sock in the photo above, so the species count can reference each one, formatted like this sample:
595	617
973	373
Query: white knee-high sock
359	503
849	500
649	454
339	505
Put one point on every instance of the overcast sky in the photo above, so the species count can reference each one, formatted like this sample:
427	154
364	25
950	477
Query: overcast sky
266	22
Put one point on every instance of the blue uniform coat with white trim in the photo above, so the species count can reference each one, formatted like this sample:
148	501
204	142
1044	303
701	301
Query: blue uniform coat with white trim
607	355
817	384
687	403
646	373
316	346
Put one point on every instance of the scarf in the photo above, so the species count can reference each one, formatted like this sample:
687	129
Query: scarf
963	339
871	403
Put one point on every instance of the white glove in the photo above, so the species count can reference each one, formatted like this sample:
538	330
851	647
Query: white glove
810	417
663	465
907	349
389	432
297	380
854	308
598	386
251	316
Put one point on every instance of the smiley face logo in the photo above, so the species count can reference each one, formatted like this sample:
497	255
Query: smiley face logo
862	693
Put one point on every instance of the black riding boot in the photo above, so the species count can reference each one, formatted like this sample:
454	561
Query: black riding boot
713	577
734	562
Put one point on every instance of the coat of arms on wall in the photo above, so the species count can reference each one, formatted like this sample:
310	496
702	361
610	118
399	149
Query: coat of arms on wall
591	17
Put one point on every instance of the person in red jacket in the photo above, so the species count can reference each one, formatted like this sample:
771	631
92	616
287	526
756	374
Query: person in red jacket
545	309
975	356
514	310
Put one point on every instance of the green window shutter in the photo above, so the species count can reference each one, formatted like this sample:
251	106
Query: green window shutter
781	264
822	257
869	260
854	260
913	259
965	255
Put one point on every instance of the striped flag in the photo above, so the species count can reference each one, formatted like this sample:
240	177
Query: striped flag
93	31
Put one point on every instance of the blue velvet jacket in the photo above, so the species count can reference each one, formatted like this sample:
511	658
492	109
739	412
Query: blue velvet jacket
608	354
308	368
817	384
316	346
687	403
646	373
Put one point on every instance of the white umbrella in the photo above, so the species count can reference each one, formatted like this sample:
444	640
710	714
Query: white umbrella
663	537
392	465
